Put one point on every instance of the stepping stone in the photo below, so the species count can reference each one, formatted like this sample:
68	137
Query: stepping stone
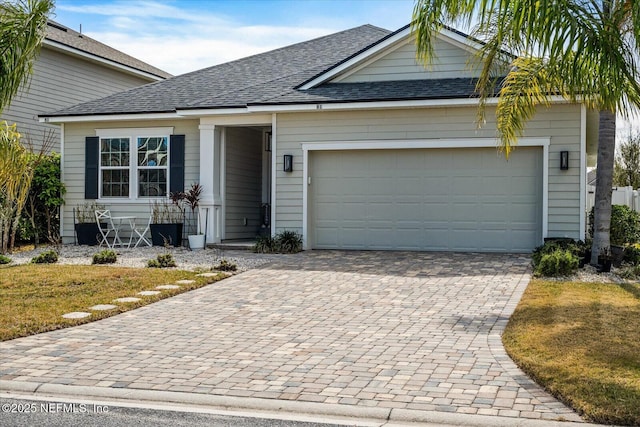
185	282
168	287
103	307
76	315
208	274
127	299
148	293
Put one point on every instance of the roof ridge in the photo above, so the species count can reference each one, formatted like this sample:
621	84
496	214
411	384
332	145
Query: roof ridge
388	35
272	51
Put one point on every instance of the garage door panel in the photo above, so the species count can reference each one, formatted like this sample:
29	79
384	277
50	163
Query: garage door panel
523	213
428	199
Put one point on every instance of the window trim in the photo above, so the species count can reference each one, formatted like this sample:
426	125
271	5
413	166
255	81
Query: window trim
133	134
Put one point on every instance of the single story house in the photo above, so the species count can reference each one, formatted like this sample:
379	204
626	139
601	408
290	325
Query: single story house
72	68
346	139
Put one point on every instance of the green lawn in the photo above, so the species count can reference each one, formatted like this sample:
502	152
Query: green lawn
33	298
581	341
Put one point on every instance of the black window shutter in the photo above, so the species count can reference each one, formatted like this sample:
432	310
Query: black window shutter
91	158
176	166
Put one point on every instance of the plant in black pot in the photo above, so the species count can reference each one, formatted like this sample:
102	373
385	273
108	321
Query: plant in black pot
167	220
85	226
604	262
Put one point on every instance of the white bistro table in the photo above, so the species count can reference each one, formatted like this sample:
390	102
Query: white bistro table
118	222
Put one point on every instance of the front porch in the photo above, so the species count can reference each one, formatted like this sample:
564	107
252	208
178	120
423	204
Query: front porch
235	172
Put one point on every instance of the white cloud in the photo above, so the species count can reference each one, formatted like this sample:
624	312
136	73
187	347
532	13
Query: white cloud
180	41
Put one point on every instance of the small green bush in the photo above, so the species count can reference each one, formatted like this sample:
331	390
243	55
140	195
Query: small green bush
104	257
225	266
47	257
162	261
285	242
265	245
576	248
4	259
631	272
289	242
561	262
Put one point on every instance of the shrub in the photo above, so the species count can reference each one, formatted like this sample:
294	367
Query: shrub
4	259
265	245
104	257
632	254
631	272
47	257
578	249
285	242
46	195
625	225
162	261
560	262
289	242
225	266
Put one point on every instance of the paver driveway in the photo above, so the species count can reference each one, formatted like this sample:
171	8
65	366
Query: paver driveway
381	329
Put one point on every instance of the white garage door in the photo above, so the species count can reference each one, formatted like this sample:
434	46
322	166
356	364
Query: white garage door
461	199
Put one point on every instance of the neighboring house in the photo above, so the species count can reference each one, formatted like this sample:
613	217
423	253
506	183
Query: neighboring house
72	68
384	154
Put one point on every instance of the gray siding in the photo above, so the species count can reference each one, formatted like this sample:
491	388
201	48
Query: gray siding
73	167
60	80
243	192
560	122
401	64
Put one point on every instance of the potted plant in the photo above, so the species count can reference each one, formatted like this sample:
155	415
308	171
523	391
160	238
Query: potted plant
85	226
192	200
604	262
167	219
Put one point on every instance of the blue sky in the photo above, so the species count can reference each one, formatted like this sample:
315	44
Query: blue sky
179	36
185	35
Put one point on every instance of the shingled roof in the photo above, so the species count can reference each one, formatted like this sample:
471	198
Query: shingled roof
273	78
58	33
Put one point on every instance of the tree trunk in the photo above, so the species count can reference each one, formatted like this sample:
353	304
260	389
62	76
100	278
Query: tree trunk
604	182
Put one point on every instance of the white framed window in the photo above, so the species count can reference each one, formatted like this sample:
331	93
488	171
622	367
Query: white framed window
134	163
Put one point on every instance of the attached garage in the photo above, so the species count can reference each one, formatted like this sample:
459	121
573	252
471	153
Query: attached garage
449	199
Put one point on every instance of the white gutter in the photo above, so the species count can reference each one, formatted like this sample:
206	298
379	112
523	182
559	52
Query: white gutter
91	57
262	109
458	102
109	117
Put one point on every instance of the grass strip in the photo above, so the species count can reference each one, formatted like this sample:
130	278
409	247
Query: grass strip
33	298
581	341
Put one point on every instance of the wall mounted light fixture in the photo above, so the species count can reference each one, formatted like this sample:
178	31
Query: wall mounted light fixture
288	163
564	160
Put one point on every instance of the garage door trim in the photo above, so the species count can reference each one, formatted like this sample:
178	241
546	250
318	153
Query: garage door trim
420	143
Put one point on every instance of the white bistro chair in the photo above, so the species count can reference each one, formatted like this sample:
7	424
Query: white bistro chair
107	228
142	234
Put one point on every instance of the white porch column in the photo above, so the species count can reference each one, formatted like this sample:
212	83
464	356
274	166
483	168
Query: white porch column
210	203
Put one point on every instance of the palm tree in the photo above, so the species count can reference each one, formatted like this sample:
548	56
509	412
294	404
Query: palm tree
23	25
583	50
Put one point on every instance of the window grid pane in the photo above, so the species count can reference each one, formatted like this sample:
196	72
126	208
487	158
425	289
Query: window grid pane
114	152
152	182
115	183
152	151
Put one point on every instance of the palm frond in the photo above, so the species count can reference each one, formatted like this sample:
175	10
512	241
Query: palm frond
22	29
529	84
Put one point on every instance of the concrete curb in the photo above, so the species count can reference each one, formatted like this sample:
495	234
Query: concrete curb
292	409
